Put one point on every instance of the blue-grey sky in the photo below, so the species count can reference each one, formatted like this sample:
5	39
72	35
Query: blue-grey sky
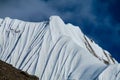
99	19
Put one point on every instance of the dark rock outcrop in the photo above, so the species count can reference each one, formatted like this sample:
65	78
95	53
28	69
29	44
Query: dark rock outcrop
8	72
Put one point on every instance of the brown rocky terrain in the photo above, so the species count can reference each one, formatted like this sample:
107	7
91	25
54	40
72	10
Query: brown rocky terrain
8	72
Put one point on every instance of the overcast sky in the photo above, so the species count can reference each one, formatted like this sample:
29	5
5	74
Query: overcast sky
99	19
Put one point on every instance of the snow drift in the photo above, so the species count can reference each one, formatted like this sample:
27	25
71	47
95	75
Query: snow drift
53	50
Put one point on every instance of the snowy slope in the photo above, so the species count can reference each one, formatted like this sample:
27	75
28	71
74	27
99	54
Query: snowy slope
53	50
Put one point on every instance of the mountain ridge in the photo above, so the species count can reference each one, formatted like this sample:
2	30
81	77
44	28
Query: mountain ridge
54	50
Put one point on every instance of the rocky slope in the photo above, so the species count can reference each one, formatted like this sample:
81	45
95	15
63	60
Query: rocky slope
7	72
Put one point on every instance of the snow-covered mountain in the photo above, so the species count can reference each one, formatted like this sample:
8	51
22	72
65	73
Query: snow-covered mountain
53	50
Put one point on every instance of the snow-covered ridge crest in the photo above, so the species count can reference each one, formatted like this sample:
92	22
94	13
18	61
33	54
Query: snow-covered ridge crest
79	38
53	50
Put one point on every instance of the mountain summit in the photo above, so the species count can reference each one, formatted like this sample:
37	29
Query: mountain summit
53	50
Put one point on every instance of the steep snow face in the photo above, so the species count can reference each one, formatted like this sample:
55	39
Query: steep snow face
53	50
60	29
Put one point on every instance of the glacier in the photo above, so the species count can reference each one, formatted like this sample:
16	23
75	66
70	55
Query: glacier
53	50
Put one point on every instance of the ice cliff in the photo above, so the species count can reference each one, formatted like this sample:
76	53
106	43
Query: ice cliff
53	50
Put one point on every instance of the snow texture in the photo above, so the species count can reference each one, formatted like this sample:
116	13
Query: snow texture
53	50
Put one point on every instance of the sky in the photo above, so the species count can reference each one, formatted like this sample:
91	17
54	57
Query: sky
98	19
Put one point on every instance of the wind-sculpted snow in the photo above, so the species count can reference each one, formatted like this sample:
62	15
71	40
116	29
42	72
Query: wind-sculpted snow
53	50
